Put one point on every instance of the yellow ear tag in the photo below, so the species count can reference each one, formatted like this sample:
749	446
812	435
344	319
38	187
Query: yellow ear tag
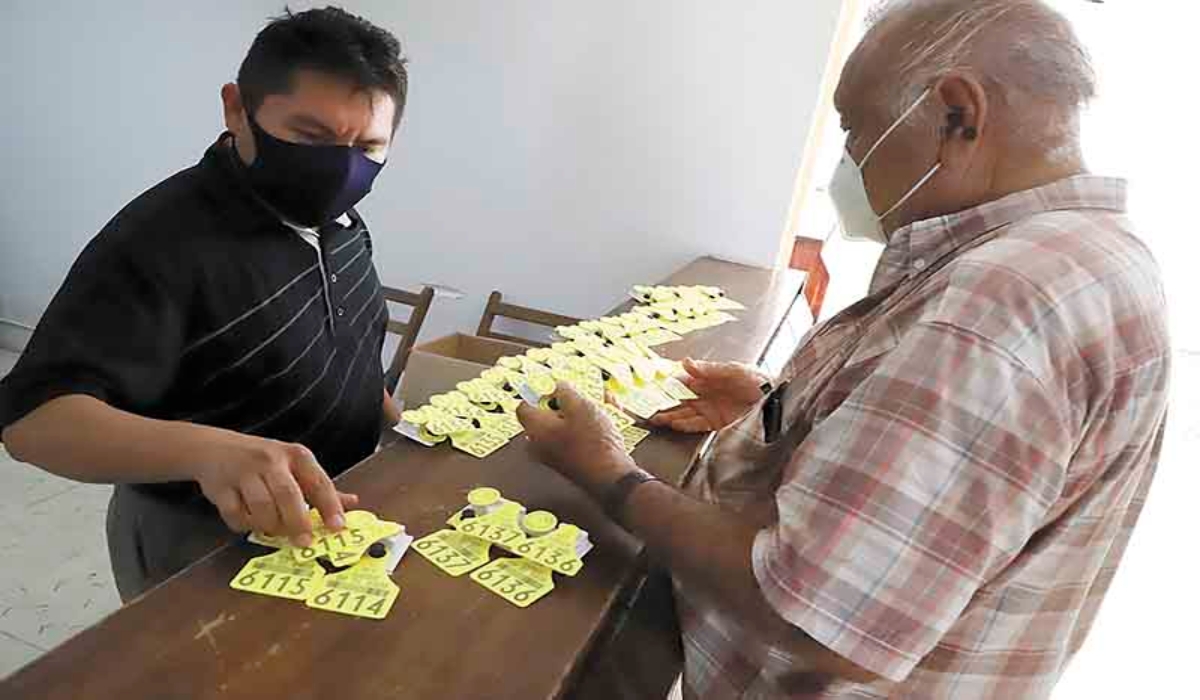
499	524
633	436
658	336
543	384
279	575
519	581
541	355
561	550
383	529
619	418
362	529
677	389
511	363
453	552
479	443
484	497
276	541
364	590
639	403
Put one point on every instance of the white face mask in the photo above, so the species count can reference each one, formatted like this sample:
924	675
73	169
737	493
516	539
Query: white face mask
849	192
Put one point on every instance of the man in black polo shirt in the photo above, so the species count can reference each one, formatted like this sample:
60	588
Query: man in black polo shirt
214	351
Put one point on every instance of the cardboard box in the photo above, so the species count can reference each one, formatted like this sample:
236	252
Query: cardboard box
437	366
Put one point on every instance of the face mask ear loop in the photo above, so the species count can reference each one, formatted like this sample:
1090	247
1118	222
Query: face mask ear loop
932	171
895	125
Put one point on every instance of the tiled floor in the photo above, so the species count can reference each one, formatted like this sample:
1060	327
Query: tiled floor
55	579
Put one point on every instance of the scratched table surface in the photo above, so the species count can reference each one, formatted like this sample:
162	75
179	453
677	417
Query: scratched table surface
194	637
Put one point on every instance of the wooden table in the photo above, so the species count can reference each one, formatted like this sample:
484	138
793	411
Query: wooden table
194	637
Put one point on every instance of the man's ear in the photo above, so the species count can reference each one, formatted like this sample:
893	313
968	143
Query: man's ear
963	124
237	121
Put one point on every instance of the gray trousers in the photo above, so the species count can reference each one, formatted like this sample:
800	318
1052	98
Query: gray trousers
150	540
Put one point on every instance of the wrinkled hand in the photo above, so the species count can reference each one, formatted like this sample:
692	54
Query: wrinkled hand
727	391
579	440
262	485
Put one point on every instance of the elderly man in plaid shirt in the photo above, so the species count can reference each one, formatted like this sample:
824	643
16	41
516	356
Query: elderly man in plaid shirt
963	454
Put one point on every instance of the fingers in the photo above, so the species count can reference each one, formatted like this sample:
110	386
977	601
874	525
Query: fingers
669	416
349	500
289	502
698	424
317	487
535	420
569	400
697	368
264	516
703	369
233	512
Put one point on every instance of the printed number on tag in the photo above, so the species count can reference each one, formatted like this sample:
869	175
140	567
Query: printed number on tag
365	590
280	576
519	581
453	552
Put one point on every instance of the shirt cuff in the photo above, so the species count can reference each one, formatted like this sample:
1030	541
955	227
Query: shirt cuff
17	401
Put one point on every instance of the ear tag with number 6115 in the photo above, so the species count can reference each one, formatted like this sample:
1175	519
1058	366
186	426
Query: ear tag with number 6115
279	575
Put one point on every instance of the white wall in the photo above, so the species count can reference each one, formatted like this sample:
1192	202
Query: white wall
100	101
557	150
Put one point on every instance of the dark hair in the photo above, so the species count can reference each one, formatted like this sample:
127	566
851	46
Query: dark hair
329	40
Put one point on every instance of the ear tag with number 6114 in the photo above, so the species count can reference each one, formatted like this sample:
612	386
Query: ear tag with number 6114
365	589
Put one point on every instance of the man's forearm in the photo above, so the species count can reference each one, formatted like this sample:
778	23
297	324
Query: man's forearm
85	439
710	550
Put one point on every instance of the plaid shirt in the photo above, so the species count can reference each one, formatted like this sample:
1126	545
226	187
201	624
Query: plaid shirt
964	457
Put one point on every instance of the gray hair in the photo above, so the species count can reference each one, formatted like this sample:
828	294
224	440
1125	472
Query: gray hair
1036	71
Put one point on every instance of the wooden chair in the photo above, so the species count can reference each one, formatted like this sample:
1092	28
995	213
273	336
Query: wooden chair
497	307
407	330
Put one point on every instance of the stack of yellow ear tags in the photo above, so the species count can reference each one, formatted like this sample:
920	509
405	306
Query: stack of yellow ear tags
538	543
610	358
346	571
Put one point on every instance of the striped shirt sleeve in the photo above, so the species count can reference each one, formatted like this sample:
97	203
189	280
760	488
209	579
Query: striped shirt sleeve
926	481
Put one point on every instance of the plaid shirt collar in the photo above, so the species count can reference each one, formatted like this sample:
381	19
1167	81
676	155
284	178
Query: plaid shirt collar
917	245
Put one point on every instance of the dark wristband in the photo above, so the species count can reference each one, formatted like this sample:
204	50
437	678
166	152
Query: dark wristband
617	494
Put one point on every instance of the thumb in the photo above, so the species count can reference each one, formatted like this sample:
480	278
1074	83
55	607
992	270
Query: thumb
703	369
569	400
532	418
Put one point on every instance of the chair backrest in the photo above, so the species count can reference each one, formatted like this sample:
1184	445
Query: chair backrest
407	330
497	307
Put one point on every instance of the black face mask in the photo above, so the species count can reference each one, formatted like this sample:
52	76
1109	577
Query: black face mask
309	185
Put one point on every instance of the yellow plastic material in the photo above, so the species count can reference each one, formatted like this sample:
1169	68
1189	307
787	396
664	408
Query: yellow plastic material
483	497
480	443
453	552
633	436
347	545
363	590
558	550
500	526
677	389
539	522
279	575
519	581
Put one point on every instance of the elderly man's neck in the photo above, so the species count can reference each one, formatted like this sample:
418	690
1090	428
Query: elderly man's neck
1020	174
1015	175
